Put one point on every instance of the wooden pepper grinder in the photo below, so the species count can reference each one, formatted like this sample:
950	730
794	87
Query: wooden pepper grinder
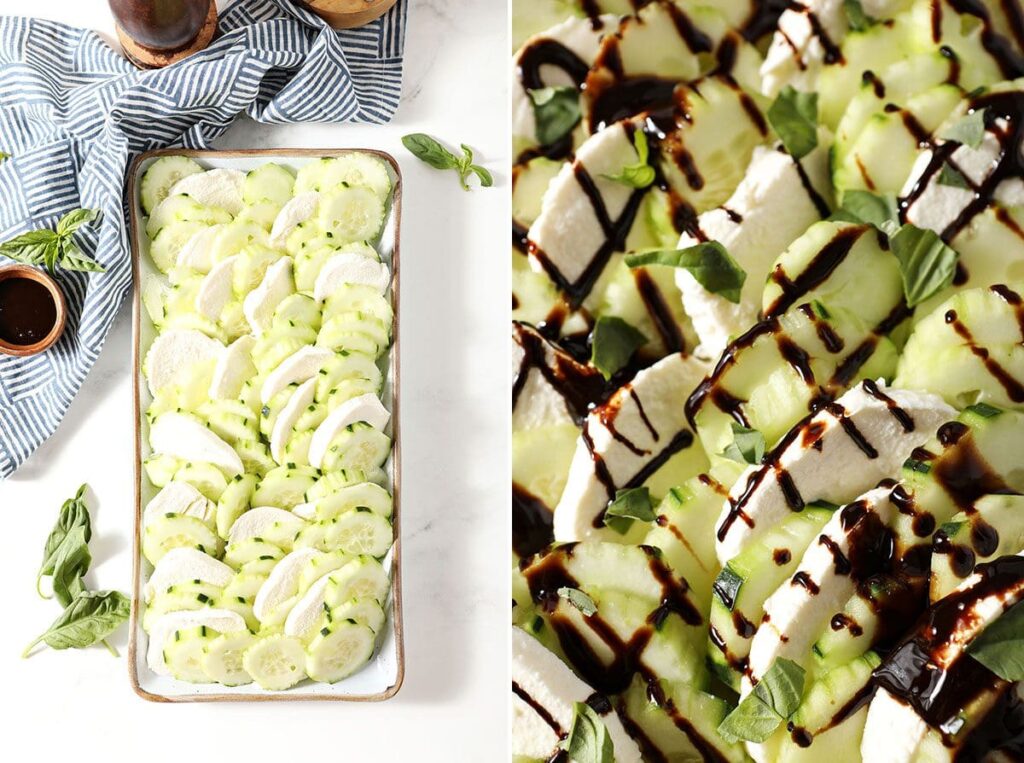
346	14
156	33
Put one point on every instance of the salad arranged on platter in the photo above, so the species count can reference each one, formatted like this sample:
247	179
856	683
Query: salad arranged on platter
768	380
269	510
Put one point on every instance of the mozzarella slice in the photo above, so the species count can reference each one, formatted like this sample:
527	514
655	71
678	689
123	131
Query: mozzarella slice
185	565
178	435
297	210
214	188
197	253
350	268
893	730
177	498
216	289
366	408
234	368
306	511
260	303
626	434
825	462
285	421
172	355
552	690
796	53
256	521
282	583
220	620
297	367
306	613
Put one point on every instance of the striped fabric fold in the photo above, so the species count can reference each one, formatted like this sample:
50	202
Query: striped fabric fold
74	114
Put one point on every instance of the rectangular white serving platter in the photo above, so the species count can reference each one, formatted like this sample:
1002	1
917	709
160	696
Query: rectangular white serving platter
382	677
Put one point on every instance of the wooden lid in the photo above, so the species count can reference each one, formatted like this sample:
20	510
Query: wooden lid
149	58
34	274
346	14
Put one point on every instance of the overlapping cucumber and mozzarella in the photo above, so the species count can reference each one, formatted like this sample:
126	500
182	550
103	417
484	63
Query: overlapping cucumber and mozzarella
768	379
270	517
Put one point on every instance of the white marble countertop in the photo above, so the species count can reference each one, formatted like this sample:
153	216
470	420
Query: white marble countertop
455	409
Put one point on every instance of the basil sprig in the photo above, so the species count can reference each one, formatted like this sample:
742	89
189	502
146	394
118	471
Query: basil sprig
54	249
708	262
556	112
641	174
969	130
613	343
588	740
89	618
875	209
773	700
429	150
951	176
856	17
794	117
578	599
73	529
632	504
1000	647
747	446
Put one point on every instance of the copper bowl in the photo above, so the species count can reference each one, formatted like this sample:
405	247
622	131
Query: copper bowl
34	274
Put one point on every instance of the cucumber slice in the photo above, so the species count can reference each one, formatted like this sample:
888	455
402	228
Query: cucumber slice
236	237
319	566
307	237
334	481
361	298
348	389
313	536
275	662
309	261
161	177
268	182
242	608
231	420
251	266
367	612
206	478
350	340
362	578
273	408
347	365
361	531
349	169
238	554
184	652
245	585
177	531
342	325
284	487
161	469
222	660
234	501
181	208
310	419
258	567
339	650
167	245
180	598
298	310
358	446
255	457
366	495
351	214
279	344
262	213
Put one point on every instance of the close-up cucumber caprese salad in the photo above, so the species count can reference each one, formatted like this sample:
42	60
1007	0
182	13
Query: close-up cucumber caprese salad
267	522
768	380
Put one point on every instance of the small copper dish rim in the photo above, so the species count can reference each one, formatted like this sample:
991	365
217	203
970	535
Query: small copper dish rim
34	274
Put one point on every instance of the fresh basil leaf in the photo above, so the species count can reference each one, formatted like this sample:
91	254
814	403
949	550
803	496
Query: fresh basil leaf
870	208
74	514
29	248
588	740
969	130
429	150
71	564
466	168
641	174
556	111
578	599
613	343
89	618
483	174
629	505
73	258
855	16
794	117
951	176
1000	647
927	264
708	262
747	446
774	699
74	220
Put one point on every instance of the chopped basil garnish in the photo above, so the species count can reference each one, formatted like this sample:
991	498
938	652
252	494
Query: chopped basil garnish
588	740
629	505
951	176
794	117
870	208
747	446
578	599
556	111
708	262
927	264
1000	647
855	15
641	174
613	343
984	409
969	130
775	698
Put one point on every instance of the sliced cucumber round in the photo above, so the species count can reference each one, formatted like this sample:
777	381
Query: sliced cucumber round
237	554
177	531
169	241
351	214
275	662
362	578
367	612
358	446
268	182
339	650
184	654
222	660
180	598
361	531
161	177
366	494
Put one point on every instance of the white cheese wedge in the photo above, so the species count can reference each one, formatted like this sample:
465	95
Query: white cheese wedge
548	682
305	510
301	399
197	253
178	498
178	435
282	583
216	289
173	354
350	268
796	53
539	403
298	209
185	565
256	521
831	466
309	609
893	730
214	188
627	433
259	304
234	368
303	364
366	408
220	620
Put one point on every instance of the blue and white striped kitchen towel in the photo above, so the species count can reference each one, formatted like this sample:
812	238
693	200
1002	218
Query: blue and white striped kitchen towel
74	114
